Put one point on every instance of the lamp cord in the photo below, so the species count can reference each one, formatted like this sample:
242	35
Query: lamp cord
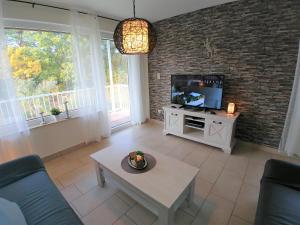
133	2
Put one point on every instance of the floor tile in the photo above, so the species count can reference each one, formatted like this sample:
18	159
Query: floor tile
254	173
210	170
214	211
107	213
202	189
77	174
246	203
162	149
172	141
237	221
197	157
152	141
87	183
57	183
126	198
92	199
141	216
182	218
261	156
219	156
63	166
237	164
124	220
71	193
179	153
228	185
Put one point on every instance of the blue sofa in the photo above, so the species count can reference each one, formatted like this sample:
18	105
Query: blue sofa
26	182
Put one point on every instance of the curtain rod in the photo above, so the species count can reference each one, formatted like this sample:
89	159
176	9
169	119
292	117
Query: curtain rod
57	7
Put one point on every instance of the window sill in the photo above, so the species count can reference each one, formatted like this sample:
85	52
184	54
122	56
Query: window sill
51	120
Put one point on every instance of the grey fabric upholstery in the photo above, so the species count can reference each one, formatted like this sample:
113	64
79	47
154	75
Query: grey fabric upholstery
279	198
26	182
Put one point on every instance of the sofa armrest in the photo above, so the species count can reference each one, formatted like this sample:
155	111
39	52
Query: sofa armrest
282	172
19	168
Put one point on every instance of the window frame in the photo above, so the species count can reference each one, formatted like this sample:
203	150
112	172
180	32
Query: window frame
15	24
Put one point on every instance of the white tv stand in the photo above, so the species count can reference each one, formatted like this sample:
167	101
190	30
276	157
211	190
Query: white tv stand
217	130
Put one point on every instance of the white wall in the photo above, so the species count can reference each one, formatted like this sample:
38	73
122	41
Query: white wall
45	140
145	80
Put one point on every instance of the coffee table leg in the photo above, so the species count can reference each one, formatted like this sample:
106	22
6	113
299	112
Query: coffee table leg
190	197
166	217
100	175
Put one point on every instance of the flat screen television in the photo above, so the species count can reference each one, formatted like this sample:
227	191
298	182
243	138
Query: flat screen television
197	91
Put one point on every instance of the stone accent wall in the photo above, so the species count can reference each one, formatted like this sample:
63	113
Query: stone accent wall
254	43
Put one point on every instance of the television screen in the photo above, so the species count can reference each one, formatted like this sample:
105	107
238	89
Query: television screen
201	91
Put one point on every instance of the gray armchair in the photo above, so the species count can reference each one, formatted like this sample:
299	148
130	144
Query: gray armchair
279	198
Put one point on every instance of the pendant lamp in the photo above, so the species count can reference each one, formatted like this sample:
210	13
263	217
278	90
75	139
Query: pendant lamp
135	36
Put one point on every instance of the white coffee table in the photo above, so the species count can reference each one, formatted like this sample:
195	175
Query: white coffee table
161	190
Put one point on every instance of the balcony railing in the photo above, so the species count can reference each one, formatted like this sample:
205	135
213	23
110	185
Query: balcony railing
117	100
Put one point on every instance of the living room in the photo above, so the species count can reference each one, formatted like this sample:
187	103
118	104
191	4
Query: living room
149	112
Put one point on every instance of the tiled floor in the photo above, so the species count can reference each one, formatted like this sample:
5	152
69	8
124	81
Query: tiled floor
226	189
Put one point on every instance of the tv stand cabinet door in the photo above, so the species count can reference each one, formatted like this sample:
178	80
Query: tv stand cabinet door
174	122
217	132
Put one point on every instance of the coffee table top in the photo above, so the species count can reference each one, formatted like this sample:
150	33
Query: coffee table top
164	183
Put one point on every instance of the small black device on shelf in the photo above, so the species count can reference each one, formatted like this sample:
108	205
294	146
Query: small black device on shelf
194	122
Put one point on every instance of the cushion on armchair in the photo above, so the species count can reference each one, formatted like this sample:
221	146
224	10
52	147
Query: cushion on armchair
10	213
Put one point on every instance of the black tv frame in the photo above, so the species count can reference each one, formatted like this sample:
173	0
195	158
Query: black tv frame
194	107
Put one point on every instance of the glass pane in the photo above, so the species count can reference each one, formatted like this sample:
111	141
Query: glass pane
117	91
42	68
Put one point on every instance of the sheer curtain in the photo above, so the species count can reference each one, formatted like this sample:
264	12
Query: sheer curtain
138	88
90	76
12	120
290	141
13	125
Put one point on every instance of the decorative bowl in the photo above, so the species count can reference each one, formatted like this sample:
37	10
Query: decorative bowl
137	160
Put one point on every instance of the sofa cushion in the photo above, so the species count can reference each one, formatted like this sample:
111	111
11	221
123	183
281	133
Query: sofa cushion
10	213
278	205
40	201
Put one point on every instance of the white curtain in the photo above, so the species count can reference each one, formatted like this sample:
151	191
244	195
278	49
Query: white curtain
90	76
138	88
290	141
12	120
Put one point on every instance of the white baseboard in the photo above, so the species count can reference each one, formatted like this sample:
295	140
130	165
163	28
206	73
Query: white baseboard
121	127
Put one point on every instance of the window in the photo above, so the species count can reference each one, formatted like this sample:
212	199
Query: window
117	91
42	68
43	71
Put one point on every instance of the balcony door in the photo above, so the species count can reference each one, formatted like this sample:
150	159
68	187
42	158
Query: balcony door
117	91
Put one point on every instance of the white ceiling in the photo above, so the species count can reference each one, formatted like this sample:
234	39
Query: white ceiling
153	10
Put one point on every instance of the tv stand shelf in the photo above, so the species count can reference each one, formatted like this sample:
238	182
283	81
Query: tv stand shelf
217	129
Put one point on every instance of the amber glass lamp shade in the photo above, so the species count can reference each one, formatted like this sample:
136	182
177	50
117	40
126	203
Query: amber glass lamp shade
135	36
231	108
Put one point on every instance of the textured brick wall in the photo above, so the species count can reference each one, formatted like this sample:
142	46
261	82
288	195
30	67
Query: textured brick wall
255	45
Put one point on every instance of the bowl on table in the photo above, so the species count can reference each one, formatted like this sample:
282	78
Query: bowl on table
137	160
